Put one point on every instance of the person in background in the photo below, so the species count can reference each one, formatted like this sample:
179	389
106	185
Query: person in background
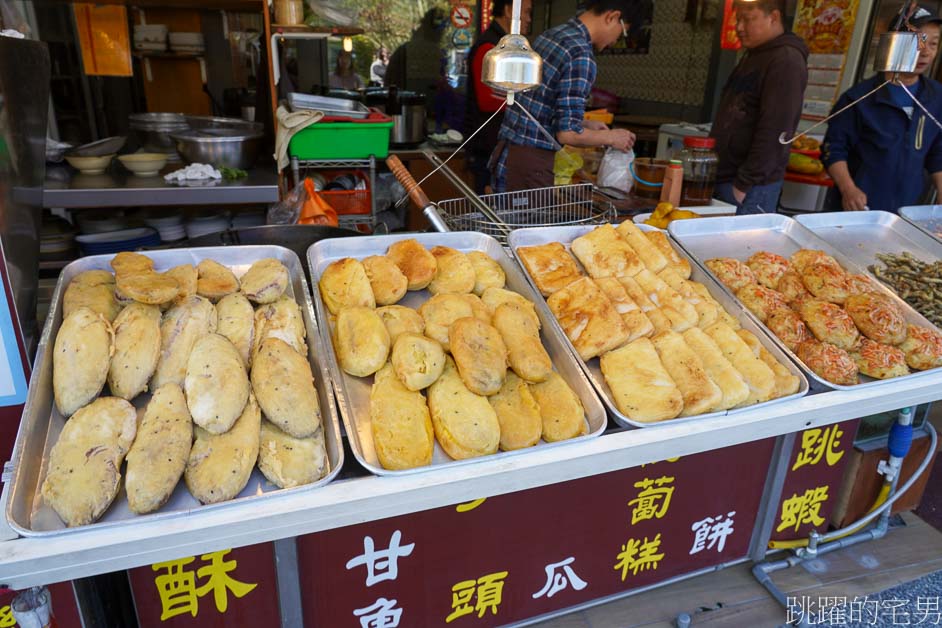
378	68
760	101
523	157
878	151
343	76
482	101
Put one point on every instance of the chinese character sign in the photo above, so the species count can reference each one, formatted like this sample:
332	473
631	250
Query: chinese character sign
225	588
729	40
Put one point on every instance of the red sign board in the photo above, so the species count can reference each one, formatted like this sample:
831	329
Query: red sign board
729	40
65	611
511	557
815	470
461	16
226	588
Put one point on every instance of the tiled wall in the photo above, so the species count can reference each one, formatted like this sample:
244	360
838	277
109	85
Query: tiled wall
674	71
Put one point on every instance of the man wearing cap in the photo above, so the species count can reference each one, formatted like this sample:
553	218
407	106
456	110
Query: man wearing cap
760	101
523	157
879	151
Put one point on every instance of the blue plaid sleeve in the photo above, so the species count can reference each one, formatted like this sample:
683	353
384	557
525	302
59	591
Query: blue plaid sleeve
575	86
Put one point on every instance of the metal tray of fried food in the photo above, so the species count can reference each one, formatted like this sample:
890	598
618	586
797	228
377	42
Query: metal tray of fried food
928	218
41	423
353	393
741	236
866	236
565	235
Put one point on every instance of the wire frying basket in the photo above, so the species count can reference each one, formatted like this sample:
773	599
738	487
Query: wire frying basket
540	207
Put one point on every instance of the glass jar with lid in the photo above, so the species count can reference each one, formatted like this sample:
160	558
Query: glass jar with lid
700	161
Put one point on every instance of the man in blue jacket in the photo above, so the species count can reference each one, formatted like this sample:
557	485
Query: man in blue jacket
879	151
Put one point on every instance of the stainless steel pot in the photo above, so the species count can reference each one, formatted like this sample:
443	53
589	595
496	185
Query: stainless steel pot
233	148
407	110
153	131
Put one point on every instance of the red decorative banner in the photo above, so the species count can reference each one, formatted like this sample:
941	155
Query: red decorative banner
487	12
729	40
503	559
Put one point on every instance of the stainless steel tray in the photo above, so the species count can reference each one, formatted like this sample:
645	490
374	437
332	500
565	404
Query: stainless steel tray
353	393
741	236
41	424
592	368
336	107
928	218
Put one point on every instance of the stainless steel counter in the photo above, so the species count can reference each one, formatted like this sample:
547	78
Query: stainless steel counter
64	187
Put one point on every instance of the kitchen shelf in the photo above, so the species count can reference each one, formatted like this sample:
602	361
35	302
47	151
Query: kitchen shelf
297	165
146	54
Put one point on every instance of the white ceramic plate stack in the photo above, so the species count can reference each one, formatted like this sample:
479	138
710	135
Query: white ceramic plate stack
100	221
170	226
150	37
187	42
201	225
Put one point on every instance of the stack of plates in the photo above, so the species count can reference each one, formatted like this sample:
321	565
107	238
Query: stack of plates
202	225
170	226
92	221
57	239
116	241
248	219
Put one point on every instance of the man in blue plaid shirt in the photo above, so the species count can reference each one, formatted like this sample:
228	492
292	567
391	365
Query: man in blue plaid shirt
523	157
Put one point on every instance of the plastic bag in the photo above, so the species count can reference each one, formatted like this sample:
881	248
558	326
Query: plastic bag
304	206
565	164
614	171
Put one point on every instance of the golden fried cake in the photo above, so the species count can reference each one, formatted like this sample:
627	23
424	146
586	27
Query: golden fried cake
651	256
791	287
788	326
265	281
466	425
236	321
560	408
93	289
131	263
700	394
403	436
415	262
826	282
494	297
283	385
487	272
720	370
361	341
283	320
440	312
768	268
923	347
639	325
760	300
804	258
830	323
877	317
181	326
550	265
417	360
80	359
518	413
344	283
860	283
785	382
879	360
731	272
187	278
399	320
216	384
387	281
83	473
589	318
220	465
829	362
483	313
659	321
136	350
480	355
682	314
215	280
525	352
454	273
641	387
604	253
286	461
147	286
160	450
674	260
757	374
706	307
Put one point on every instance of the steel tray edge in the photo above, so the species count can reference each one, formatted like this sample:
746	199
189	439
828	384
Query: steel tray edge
909	214
594	409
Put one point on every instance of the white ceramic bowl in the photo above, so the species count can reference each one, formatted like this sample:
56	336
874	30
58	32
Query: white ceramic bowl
89	165
144	164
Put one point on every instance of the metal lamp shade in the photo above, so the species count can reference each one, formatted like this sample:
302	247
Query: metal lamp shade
897	52
512	66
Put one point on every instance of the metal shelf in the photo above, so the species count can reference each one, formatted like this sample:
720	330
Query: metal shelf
26	562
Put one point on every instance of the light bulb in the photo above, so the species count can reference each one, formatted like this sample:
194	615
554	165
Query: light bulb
348	44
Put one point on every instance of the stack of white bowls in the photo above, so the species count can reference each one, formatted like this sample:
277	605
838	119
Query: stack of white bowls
187	42
150	37
201	225
100	221
169	226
